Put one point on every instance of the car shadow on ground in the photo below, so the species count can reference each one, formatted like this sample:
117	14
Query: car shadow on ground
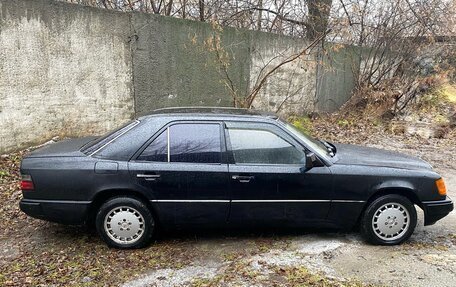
54	233
251	233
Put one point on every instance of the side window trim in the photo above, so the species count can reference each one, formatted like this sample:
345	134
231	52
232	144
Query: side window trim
229	147
168	146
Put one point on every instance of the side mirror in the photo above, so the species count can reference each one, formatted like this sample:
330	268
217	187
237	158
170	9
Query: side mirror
311	158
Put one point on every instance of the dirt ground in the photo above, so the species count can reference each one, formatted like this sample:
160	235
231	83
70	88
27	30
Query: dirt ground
36	253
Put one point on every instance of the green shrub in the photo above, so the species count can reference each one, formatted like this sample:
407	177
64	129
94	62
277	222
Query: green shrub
304	124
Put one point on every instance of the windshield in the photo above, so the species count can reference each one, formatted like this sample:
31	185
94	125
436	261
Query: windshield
314	144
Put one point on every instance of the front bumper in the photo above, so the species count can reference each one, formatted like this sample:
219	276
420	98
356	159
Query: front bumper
60	211
436	210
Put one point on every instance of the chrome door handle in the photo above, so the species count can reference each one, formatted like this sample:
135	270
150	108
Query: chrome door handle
243	178
148	177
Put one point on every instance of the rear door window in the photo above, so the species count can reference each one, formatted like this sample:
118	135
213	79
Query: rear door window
186	142
199	143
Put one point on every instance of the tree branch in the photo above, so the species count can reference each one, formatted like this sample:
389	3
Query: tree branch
256	90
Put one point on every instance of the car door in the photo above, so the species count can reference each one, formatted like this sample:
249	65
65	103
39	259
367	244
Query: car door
268	178
184	170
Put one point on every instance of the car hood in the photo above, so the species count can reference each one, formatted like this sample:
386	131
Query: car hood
359	155
64	148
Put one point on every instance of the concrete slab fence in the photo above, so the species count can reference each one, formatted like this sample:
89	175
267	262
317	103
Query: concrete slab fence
68	70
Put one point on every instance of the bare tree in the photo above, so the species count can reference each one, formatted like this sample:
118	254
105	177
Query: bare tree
213	44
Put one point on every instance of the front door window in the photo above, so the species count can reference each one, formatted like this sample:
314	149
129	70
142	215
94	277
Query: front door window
263	147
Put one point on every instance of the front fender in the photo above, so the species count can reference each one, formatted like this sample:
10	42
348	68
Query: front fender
395	184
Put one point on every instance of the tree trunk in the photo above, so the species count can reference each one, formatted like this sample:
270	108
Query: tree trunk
169	8
184	9
260	14
201	9
318	18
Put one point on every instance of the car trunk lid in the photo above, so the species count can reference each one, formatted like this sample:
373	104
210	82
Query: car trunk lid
64	148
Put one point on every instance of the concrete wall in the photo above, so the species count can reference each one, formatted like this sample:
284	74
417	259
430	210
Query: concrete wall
336	76
173	68
291	89
64	70
70	70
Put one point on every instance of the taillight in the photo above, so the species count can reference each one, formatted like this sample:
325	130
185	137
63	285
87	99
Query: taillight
27	182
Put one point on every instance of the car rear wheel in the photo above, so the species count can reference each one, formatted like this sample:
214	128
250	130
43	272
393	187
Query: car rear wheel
125	222
389	220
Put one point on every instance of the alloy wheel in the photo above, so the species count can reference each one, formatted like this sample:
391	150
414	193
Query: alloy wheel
391	221
124	225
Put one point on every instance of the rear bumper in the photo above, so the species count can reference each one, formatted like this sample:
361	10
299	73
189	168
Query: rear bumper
60	211
436	210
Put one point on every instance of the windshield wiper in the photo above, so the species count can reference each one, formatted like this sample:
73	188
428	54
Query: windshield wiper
329	146
333	147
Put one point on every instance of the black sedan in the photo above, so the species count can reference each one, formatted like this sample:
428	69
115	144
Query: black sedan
215	167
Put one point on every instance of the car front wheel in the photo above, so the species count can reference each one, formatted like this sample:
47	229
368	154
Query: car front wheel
125	222
389	220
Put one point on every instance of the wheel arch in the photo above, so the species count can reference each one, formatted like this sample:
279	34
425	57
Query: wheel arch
104	195
406	192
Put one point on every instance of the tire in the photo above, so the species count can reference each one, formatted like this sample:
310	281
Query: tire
389	220
125	223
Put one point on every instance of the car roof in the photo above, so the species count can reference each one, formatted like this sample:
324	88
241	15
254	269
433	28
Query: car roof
211	112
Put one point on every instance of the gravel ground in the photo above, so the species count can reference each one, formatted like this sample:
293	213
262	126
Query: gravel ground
36	253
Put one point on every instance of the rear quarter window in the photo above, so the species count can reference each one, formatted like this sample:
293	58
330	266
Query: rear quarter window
102	141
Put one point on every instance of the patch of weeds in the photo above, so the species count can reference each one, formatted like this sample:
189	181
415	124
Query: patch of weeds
203	282
453	238
304	124
343	123
265	244
236	271
449	92
209	282
438	99
377	122
4	173
430	101
241	268
231	256
414	245
301	276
